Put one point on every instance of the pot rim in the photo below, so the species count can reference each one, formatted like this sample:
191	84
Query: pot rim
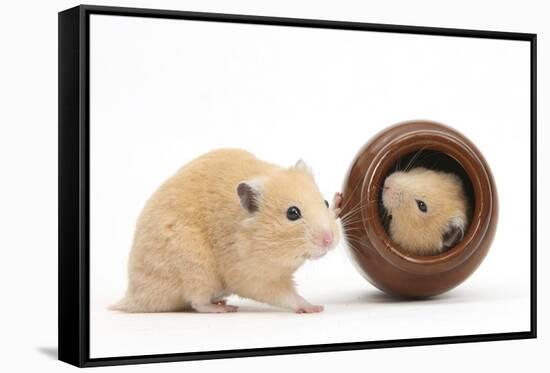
427	135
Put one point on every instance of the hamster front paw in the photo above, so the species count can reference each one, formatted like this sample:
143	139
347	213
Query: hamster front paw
337	204
310	308
304	306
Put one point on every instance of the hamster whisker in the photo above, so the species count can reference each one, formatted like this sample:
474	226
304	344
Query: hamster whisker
432	167
348	201
353	212
289	240
351	240
351	220
351	247
279	239
350	229
350	225
414	159
431	155
355	218
354	221
353	229
352	236
350	216
360	206
351	244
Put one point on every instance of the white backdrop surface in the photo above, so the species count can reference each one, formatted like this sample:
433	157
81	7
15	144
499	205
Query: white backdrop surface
163	92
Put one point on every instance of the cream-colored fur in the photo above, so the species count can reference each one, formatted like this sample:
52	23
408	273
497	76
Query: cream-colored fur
420	232
195	243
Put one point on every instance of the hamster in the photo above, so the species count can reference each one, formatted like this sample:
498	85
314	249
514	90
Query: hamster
428	210
228	223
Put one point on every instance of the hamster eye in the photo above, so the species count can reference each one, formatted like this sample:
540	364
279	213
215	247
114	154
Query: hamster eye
421	205
326	203
293	213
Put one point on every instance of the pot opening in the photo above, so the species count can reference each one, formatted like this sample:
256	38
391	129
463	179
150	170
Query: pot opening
431	160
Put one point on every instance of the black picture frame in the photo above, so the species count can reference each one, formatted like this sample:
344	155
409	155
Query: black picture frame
73	250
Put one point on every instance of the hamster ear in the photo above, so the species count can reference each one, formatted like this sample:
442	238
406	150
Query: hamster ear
454	232
301	165
250	193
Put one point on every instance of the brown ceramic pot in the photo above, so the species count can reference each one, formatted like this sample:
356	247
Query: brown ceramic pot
379	259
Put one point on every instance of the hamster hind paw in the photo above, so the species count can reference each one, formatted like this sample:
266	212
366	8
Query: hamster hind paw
214	308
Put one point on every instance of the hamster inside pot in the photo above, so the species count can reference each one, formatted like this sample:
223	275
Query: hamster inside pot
425	203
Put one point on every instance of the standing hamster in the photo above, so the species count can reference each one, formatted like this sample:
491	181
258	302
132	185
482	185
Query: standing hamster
428	210
228	223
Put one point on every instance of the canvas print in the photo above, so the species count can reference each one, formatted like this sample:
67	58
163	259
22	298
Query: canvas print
258	186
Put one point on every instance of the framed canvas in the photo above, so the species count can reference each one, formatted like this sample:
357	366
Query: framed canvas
340	185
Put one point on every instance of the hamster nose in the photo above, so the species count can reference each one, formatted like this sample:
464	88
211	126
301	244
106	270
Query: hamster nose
327	238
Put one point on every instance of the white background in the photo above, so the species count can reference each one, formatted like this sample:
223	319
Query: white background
29	153
165	91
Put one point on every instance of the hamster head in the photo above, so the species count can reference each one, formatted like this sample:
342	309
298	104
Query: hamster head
428	210
288	220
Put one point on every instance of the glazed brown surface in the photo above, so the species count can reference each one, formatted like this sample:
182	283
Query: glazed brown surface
380	260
